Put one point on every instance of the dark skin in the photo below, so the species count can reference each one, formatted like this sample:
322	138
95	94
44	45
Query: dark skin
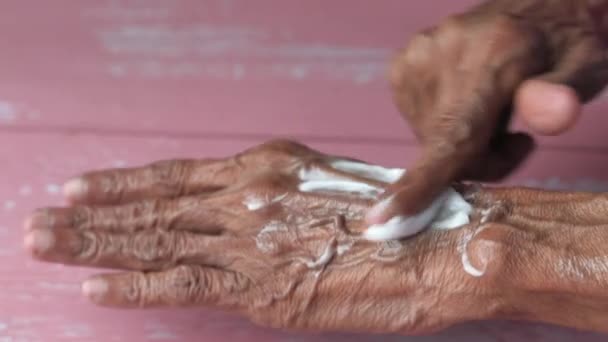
179	234
458	83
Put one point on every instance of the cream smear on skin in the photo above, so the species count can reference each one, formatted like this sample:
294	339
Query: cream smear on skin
448	211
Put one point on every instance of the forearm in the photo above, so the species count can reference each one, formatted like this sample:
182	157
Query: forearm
556	270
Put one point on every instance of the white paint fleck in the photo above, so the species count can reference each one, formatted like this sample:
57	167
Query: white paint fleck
23	297
53	189
25	190
299	72
56	286
9	205
128	11
198	50
162	335
33	115
8	112
3	326
157	331
76	330
117	70
119	163
238	71
555	183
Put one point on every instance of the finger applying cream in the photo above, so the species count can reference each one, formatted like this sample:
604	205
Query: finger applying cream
448	211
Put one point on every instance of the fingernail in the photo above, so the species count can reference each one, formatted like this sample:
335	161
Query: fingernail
39	241
95	288
376	215
38	219
75	188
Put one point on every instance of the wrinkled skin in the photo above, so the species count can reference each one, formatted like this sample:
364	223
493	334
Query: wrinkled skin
183	236
458	83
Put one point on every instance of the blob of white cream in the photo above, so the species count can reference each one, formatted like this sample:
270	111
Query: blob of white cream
448	211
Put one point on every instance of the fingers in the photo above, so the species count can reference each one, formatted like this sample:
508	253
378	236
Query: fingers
548	108
414	202
183	286
187	213
146	250
161	179
551	103
506	154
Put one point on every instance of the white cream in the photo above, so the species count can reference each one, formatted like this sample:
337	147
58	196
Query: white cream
372	172
254	202
317	180
470	269
266	238
464	255
362	189
324	259
448	211
402	226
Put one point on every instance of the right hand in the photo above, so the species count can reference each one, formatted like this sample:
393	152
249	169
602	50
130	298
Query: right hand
455	85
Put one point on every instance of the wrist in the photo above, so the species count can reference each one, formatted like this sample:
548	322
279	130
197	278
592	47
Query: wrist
554	264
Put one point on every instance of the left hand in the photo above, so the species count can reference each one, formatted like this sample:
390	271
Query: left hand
273	233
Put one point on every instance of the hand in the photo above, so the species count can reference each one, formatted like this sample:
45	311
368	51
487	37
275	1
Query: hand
273	233
455	84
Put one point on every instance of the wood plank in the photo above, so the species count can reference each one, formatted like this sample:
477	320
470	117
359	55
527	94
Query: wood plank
301	68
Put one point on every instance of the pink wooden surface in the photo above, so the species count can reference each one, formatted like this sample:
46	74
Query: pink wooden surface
300	67
89	84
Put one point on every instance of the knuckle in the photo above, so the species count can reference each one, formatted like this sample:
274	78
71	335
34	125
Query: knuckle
505	23
82	217
93	246
186	285
281	145
269	184
138	290
278	151
171	175
155	247
146	214
417	53
415	57
452	25
108	183
512	35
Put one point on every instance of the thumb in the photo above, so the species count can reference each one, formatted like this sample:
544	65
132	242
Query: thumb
551	103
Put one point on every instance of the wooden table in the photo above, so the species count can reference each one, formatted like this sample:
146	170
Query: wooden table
88	84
